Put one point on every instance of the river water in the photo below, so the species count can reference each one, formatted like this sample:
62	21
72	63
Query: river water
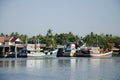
61	68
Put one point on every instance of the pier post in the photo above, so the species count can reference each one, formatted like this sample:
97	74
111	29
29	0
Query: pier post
15	50
9	48
3	51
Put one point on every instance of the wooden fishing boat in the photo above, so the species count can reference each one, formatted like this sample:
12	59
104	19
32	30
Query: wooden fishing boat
107	54
31	51
92	52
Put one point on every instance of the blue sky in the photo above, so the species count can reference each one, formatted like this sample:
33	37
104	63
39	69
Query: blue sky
80	17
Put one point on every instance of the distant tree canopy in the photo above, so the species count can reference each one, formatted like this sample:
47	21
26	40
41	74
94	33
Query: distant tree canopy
91	39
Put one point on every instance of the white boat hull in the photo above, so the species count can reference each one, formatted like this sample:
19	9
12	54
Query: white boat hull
42	54
35	54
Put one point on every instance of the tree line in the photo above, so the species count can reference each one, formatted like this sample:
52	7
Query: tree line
92	39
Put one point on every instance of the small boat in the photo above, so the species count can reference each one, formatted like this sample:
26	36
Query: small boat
82	53
14	54
35	54
88	54
107	54
94	52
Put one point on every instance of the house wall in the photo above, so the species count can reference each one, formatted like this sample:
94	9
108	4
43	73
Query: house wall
1	43
10	43
33	47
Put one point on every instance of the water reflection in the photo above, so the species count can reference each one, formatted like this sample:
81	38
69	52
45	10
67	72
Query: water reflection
12	63
60	69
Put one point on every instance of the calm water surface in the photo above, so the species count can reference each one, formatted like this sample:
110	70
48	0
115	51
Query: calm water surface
62	68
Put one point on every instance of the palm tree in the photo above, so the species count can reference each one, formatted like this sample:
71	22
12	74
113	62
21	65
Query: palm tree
49	33
14	34
48	38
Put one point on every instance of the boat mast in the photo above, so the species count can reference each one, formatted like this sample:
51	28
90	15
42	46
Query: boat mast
96	44
52	43
38	44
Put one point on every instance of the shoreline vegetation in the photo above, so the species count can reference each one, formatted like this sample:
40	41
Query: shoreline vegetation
92	39
105	41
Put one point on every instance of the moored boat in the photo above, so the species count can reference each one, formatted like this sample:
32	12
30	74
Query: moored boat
69	53
35	54
33	51
52	53
92	52
82	53
69	50
107	54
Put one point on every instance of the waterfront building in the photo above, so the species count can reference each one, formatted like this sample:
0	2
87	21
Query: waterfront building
8	44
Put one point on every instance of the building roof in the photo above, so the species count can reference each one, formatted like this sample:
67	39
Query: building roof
2	39
13	39
9	39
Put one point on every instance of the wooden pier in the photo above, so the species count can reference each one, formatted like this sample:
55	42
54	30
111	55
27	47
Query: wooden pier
6	49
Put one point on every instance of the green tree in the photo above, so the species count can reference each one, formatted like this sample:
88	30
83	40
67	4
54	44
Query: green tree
14	34
48	38
23	38
49	33
2	34
90	39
